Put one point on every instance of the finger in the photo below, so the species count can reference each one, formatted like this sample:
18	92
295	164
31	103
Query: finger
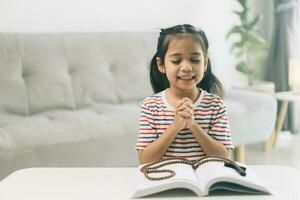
184	114
189	111
179	103
188	102
184	107
181	107
186	99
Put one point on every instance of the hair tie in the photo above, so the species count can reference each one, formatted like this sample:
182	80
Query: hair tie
162	30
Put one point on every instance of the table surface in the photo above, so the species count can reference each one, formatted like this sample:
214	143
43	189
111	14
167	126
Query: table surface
287	96
117	183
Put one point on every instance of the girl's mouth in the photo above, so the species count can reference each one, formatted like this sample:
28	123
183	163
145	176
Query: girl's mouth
186	78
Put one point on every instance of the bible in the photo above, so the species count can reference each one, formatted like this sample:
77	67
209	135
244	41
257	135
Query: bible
202	177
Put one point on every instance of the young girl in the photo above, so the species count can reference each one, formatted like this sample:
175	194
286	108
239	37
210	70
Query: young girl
186	117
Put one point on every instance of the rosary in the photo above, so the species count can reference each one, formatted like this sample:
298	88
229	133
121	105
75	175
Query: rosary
153	167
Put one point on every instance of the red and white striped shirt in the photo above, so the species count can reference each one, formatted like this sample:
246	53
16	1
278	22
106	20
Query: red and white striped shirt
157	114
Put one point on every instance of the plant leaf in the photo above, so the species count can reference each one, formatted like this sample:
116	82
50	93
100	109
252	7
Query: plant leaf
252	23
257	43
241	67
239	53
242	3
234	30
237	45
237	13
250	43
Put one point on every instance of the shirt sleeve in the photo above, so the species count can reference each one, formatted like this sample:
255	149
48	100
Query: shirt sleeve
220	128
147	133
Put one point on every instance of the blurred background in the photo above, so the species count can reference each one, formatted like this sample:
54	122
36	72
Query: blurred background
253	44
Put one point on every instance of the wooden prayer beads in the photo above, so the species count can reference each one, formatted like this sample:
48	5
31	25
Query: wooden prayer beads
153	167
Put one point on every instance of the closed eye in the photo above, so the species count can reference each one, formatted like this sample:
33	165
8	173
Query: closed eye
195	61
176	62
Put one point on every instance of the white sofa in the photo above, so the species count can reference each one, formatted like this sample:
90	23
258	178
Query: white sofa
72	99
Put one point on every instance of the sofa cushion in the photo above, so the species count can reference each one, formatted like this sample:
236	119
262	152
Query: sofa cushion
106	68
90	70
43	72
62	126
39	78
130	60
13	98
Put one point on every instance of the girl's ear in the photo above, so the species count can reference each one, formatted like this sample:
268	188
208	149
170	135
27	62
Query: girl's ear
160	66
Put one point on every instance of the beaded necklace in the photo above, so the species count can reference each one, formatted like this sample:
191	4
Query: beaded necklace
153	167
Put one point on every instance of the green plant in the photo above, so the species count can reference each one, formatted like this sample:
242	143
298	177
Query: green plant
250	45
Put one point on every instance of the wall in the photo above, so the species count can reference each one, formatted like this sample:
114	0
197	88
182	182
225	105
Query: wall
214	16
266	10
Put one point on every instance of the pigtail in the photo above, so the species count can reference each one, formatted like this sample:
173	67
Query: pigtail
158	80
210	82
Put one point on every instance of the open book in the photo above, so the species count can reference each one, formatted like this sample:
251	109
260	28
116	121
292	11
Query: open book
208	177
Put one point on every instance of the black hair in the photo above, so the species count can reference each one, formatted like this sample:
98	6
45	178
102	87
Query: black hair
159	81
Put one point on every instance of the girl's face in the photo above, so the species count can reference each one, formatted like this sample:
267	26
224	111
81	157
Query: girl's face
184	64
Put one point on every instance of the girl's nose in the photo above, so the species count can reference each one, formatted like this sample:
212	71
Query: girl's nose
186	66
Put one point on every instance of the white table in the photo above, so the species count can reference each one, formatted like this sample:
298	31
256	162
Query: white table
116	183
285	98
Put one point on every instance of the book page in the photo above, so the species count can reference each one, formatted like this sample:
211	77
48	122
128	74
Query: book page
212	172
184	178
